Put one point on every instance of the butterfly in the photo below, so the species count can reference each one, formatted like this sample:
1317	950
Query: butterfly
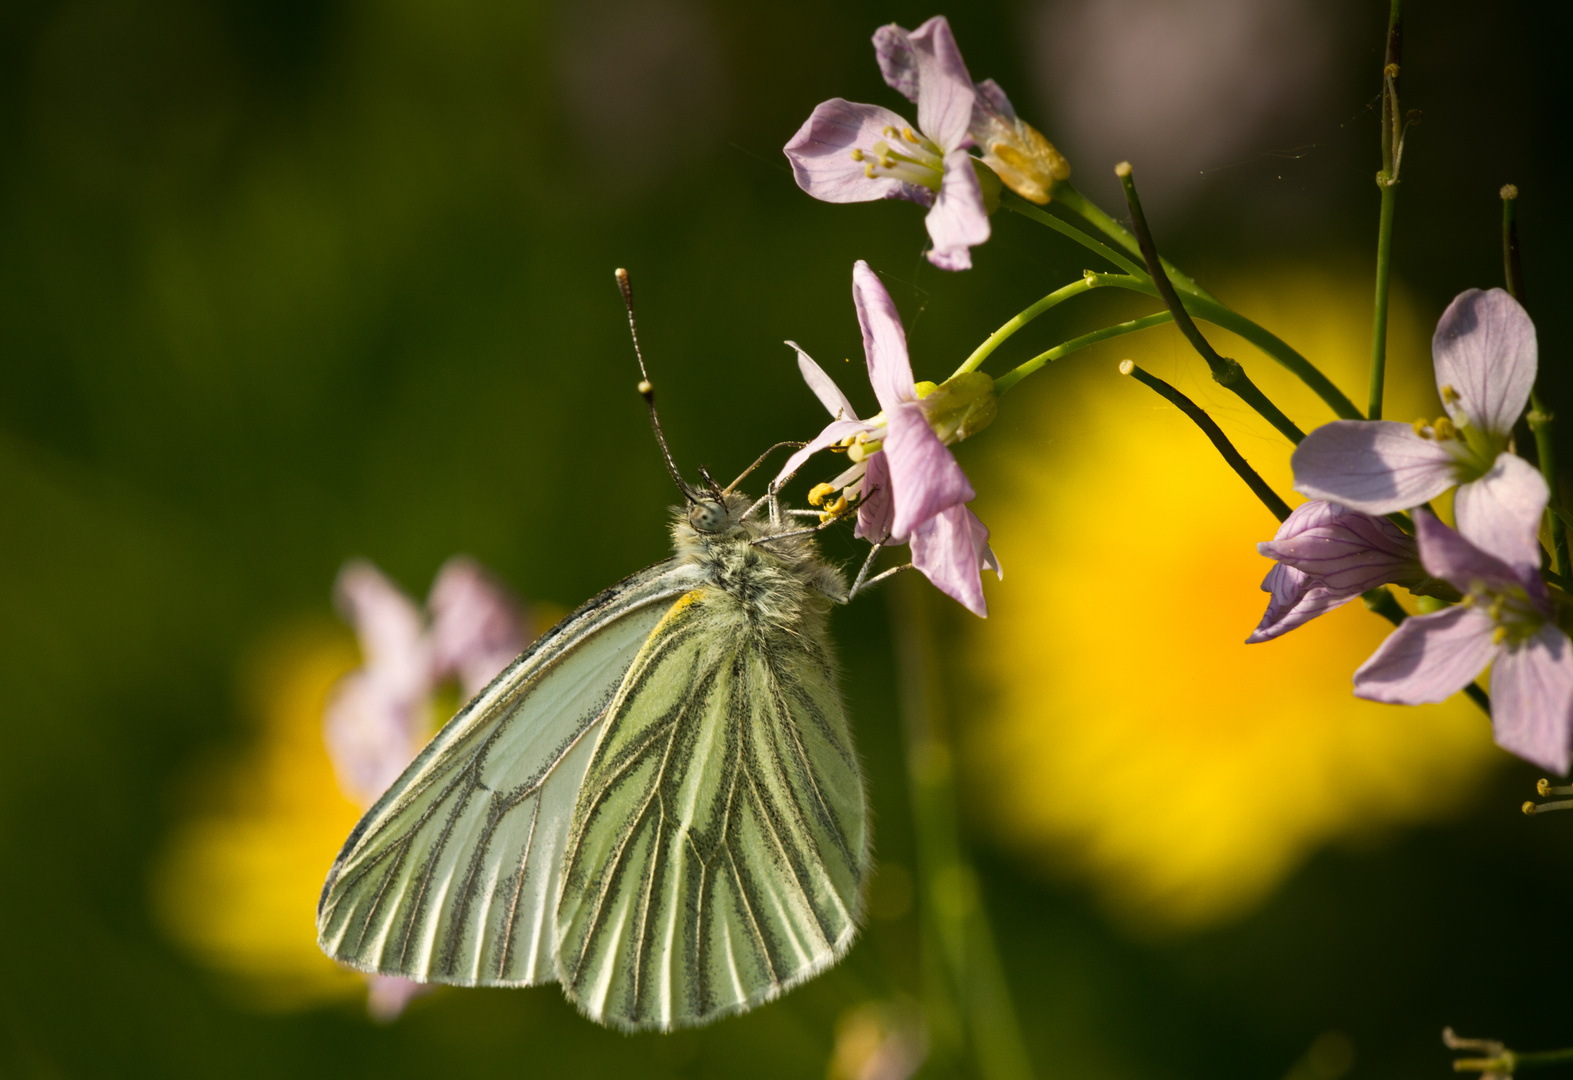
658	805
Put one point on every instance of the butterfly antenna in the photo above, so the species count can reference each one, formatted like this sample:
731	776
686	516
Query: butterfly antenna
647	390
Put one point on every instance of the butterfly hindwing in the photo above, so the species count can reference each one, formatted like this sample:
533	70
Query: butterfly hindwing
453	875
719	842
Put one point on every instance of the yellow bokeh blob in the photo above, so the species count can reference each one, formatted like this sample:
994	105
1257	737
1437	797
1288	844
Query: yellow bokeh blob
1123	732
239	882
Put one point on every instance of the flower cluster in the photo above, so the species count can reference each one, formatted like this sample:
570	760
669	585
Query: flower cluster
379	715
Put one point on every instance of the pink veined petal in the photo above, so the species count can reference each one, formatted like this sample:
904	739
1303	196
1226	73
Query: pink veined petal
370	732
1447	555
898	61
925	478
1500	512
1293	602
1428	658
992	99
1485	349
476	625
945	93
388	625
876	509
958	220
1351	553
884	340
946	550
824	387
833	433
1532	699
821	154
987	560
1377	466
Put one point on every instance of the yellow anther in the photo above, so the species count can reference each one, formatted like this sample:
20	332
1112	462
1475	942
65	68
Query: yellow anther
819	493
1499	635
1391	71
888	162
1449	395
1444	429
868	170
1422	428
1528	808
1543	788
857	153
906	133
890	132
1495	610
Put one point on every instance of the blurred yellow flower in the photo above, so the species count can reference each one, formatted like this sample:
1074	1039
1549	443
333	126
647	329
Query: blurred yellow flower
239	882
1126	734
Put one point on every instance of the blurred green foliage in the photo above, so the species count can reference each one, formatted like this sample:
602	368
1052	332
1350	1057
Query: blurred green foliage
286	281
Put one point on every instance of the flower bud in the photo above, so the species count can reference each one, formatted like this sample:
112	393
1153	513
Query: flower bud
960	408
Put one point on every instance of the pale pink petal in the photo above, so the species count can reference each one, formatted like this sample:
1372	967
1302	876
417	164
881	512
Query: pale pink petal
958	220
371	733
898	62
925	478
1532	699
992	99
1294	601
821	154
1500	512
833	433
387	624
387	996
945	93
1485	349
1377	466
884	340
824	387
1428	658
876	509
948	550
1350	553
1447	555
477	627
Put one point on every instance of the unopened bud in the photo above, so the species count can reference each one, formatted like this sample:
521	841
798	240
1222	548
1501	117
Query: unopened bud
961	407
1123	169
1509	191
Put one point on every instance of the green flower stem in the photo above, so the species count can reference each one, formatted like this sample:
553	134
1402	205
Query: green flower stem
1214	433
1540	419
1387	182
972	995
1226	372
1537	1058
998	338
1198	301
1011	201
1381	601
1079	204
1016	374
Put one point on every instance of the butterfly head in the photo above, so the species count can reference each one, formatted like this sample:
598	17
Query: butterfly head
709	516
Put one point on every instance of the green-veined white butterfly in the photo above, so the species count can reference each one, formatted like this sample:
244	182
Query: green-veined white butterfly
657	805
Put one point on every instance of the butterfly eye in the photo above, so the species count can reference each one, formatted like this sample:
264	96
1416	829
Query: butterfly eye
707	516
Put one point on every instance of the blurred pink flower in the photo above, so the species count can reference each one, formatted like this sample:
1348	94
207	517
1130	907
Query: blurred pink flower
378	714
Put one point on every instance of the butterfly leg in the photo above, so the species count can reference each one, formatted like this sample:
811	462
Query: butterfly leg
863	586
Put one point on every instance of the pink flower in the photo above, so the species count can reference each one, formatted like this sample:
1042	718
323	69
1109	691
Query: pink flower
908	485
1506	622
377	717
1485	354
1328	555
846	152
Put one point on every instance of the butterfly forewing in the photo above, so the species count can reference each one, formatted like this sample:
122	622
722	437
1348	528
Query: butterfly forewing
719	841
454	874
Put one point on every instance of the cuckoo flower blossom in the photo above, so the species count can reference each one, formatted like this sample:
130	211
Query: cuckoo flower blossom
907	484
378	715
846	152
1328	555
1507	621
1485	355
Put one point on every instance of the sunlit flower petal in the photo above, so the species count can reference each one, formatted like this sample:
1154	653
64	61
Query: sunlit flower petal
1486	356
1376	466
1532	699
1500	512
823	162
1428	658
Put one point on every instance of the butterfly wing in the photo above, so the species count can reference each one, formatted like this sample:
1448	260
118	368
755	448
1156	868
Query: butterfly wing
453	875
720	840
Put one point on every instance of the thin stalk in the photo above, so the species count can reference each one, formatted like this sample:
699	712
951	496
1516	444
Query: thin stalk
1270	344
1253	480
1381	601
1090	212
998	338
1541	420
1387	183
1384	267
949	901
1016	374
1536	1058
1227	373
1011	201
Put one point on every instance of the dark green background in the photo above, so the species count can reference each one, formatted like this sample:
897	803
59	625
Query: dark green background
285	281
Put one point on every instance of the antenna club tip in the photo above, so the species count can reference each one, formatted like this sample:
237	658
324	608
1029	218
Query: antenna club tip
1509	191
1123	169
622	275
1127	366
646	389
